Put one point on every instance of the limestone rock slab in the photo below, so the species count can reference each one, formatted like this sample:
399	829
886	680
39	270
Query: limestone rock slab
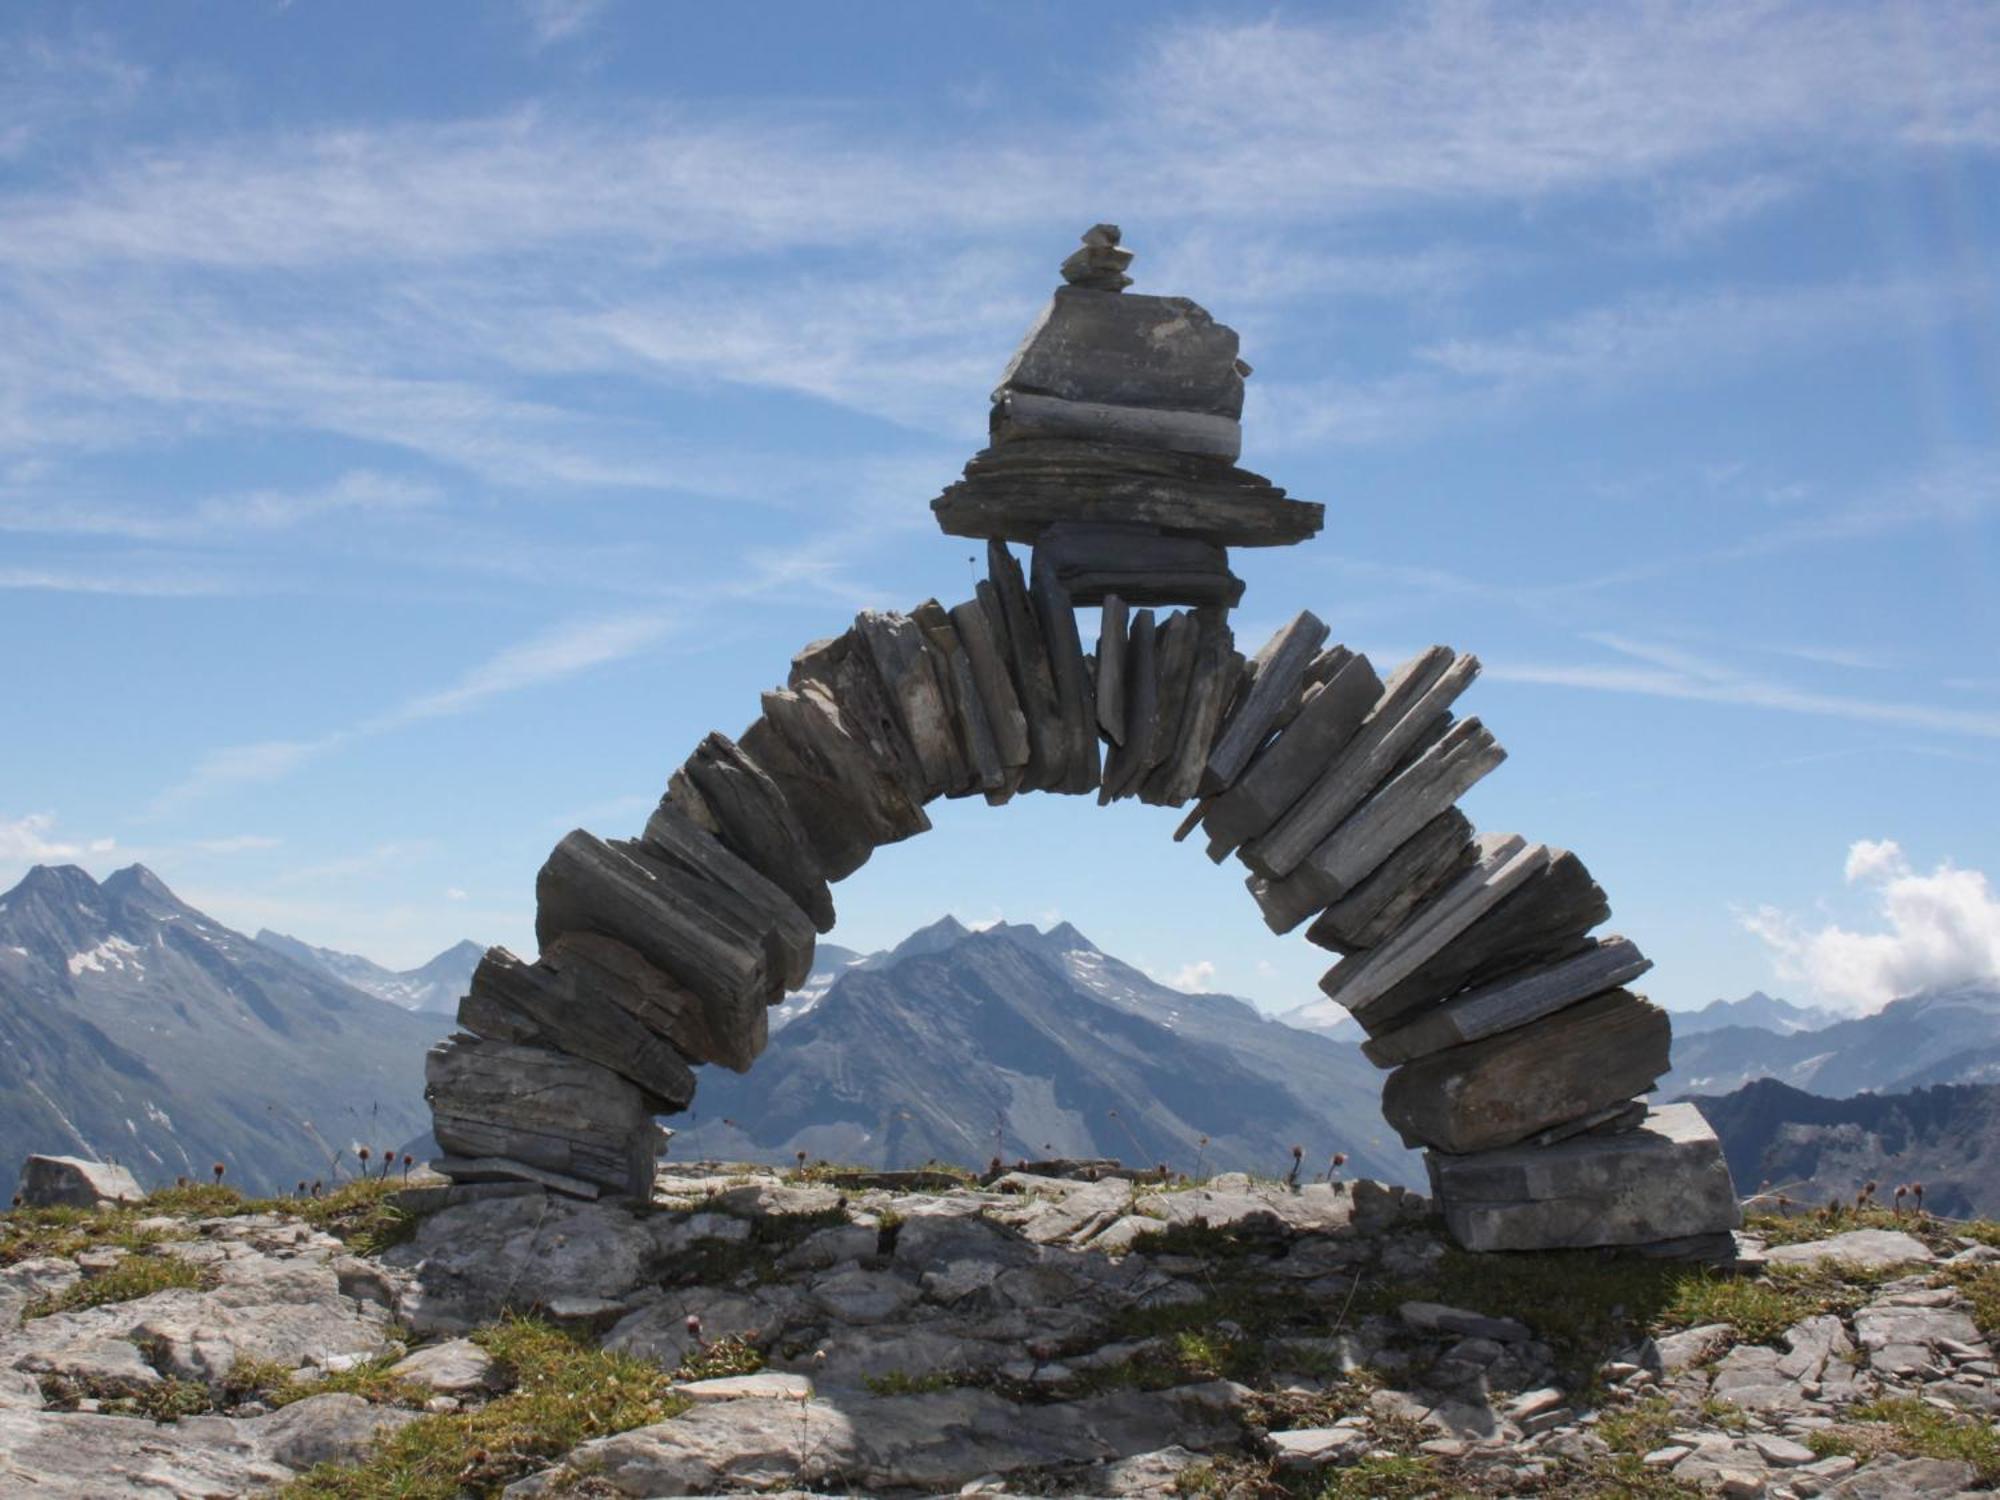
75	1182
1665	1180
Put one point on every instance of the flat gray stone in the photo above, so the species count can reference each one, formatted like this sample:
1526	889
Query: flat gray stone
1902	1479
936	1442
335	1428
75	1182
1665	1180
1312	1446
454	1368
81	1456
1870	1249
1435	1317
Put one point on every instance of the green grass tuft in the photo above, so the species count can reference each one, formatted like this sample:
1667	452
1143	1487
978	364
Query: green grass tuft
565	1392
901	1383
133	1277
720	1357
1913	1429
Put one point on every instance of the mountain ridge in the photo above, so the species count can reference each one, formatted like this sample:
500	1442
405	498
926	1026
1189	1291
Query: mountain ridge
135	1028
961	1045
435	985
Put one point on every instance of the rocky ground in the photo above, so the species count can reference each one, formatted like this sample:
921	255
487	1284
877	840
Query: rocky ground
916	1335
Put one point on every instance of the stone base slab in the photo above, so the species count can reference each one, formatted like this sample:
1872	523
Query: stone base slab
1666	1180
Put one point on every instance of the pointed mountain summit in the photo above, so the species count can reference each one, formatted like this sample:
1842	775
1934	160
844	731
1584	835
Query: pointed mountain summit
960	1045
135	1028
433	986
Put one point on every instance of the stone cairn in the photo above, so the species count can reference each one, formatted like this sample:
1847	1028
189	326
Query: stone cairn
1520	1056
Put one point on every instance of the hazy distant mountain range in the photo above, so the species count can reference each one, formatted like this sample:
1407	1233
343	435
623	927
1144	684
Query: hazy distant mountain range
1755	1009
135	1028
1941	1036
1813	1149
1816	1106
1012	1042
435	986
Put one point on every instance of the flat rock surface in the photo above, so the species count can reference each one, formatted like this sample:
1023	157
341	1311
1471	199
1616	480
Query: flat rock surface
1041	1335
1872	1248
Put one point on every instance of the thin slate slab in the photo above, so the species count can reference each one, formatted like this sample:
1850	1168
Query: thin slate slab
1506	861
849	799
840	668
1545	919
1112	628
1665	1180
1075	689
1410	706
979	749
1019	415
1126	763
541	1005
676	921
1034	671
1329	717
913	685
583	971
986	652
1440	851
1211	682
742	805
1277	675
1385	822
1175	652
554	1112
1138	564
1015	491
1513	1001
1493	1093
757	904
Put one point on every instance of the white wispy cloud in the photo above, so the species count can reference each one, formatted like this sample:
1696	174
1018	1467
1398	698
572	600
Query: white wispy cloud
257	512
47	86
1194	978
150	584
1936	928
1597	353
553	21
567	649
1663	670
32	839
236	843
552	655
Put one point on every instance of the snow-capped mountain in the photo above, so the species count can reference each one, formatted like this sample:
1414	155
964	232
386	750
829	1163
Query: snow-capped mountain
434	986
138	1029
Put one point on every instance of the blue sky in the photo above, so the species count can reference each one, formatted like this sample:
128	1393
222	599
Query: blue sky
418	425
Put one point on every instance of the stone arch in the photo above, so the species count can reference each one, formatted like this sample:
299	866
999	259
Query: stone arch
1519	1057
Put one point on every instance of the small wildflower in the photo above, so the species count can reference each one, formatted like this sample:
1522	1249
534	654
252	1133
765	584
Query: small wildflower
219	1169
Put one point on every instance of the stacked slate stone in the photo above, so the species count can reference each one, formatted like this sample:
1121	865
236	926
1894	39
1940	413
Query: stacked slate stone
1520	1056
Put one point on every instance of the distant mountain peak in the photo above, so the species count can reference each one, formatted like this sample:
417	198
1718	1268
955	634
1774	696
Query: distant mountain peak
1068	940
56	881
138	888
435	985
